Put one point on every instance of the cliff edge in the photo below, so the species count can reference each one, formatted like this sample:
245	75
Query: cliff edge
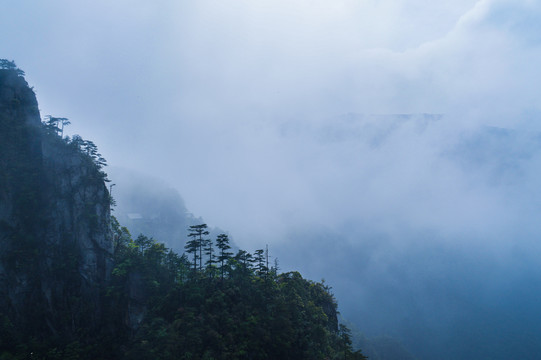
55	238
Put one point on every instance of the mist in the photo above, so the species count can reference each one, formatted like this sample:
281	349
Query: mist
392	148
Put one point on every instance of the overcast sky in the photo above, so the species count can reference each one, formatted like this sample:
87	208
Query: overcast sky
264	114
199	92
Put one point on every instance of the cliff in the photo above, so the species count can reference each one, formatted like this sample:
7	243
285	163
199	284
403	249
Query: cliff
61	298
55	238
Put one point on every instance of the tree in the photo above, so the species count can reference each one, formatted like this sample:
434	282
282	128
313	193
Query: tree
191	248
144	243
222	243
5	64
56	124
345	336
177	266
10	65
196	233
209	251
259	260
121	235
89	148
275	269
243	262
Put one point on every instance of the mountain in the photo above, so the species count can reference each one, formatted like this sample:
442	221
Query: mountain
55	237
74	284
147	205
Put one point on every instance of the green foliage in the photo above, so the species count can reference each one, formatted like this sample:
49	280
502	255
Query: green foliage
56	125
197	243
10	65
222	243
90	152
245	312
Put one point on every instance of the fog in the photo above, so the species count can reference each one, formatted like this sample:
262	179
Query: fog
280	121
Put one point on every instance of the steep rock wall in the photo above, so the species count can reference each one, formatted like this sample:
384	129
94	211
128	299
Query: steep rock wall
55	241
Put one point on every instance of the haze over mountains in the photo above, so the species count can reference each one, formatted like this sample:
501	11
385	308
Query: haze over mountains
261	116
457	267
436	276
147	205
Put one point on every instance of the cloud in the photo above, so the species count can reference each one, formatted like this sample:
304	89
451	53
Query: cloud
199	93
267	116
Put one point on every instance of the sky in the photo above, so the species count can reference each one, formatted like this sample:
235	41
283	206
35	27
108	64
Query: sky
272	119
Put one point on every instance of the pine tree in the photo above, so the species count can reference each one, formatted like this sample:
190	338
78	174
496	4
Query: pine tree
196	233
259	261
222	243
209	252
144	243
10	65
191	248
56	124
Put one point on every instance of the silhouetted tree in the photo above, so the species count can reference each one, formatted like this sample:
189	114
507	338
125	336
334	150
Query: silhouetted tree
275	269
192	247
348	353
222	243
197	232
143	243
209	252
10	65
56	124
259	260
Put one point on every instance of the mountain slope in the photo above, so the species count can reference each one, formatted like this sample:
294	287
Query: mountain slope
55	242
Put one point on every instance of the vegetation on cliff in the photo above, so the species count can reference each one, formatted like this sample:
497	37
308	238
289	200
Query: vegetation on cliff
219	305
55	238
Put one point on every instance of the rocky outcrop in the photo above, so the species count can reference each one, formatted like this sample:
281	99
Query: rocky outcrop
55	241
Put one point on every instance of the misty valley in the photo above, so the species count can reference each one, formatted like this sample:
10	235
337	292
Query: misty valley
109	262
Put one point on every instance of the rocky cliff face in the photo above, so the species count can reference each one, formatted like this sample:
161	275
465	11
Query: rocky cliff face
55	238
